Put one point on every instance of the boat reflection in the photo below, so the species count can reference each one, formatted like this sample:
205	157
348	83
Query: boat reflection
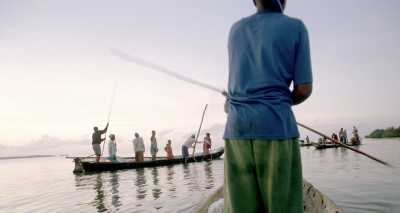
208	170
115	198
156	188
114	191
171	181
140	184
99	198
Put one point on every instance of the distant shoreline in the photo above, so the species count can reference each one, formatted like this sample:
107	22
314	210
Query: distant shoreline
390	132
28	156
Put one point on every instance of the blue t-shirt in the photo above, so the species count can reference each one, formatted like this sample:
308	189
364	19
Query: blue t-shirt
268	51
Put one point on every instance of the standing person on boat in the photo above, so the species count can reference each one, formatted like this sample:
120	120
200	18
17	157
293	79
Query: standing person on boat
188	144
168	150
207	144
268	51
345	136
356	140
341	136
153	146
96	141
138	146
308	140
112	147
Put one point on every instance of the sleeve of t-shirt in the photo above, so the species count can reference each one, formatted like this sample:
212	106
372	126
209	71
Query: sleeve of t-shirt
302	66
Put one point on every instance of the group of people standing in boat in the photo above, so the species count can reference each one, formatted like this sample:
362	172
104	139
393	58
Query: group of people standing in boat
139	147
342	137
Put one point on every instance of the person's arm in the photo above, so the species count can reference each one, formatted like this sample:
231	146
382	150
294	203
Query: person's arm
300	93
226	104
105	129
302	80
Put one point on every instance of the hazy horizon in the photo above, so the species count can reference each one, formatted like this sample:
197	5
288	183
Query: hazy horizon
58	74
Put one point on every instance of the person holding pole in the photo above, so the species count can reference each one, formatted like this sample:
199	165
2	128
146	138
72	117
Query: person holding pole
188	144
268	51
96	141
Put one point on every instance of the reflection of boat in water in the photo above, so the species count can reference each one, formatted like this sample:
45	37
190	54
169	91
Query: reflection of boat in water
314	201
89	165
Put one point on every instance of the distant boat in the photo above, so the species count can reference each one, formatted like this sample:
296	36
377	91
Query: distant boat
331	145
88	164
325	146
306	144
314	201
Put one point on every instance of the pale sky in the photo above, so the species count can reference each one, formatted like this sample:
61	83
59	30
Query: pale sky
57	73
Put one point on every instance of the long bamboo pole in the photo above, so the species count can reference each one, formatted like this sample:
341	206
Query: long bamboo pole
198	131
109	114
343	145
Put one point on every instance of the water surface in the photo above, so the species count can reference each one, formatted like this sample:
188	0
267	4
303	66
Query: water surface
354	182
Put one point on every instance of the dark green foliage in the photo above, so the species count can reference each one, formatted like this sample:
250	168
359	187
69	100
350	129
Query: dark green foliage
390	132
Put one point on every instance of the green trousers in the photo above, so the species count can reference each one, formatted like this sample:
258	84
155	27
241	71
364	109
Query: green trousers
263	176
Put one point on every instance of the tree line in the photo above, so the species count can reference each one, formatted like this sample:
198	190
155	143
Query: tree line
390	132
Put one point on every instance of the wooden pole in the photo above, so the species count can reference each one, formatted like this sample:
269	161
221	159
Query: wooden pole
198	131
109	114
343	145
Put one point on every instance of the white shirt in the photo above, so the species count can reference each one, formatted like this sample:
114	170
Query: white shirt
112	148
138	144
189	142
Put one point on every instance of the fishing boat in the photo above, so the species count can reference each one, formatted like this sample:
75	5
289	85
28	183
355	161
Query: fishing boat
314	201
88	164
331	145
306	144
325	146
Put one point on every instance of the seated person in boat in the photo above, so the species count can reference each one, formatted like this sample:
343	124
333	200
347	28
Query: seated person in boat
112	147
153	146
96	141
268	51
168	150
188	144
207	144
138	147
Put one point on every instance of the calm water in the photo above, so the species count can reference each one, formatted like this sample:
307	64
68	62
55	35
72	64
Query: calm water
355	183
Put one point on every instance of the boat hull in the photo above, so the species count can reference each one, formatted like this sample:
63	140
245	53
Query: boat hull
83	165
314	201
329	146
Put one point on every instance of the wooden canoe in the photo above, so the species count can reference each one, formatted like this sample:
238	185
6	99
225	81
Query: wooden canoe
88	164
314	201
306	144
325	146
330	145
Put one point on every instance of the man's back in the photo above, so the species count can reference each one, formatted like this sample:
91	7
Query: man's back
267	52
138	144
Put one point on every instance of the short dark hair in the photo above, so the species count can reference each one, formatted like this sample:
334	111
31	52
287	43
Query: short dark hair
271	4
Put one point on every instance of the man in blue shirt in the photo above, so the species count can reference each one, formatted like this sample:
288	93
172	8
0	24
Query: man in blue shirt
268	52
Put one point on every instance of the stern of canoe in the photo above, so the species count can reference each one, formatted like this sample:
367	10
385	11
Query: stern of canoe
78	166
